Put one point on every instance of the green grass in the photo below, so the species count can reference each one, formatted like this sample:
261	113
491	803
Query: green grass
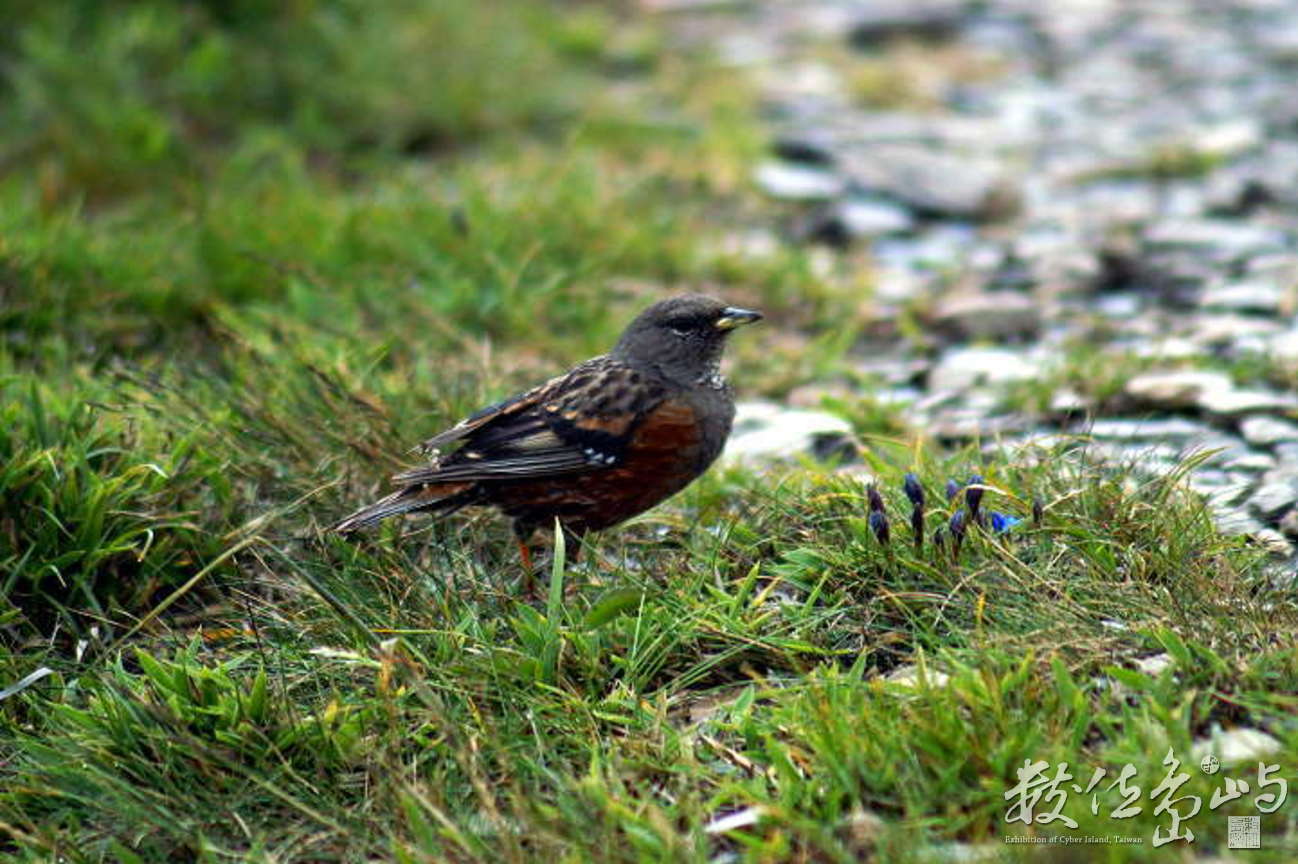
265	249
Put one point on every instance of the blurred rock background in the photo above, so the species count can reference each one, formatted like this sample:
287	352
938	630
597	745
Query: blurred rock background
1073	217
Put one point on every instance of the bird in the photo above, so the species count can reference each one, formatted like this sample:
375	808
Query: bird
595	446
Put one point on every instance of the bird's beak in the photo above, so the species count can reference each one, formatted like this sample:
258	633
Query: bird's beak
733	316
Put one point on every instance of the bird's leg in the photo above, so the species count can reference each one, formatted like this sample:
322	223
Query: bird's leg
529	585
521	535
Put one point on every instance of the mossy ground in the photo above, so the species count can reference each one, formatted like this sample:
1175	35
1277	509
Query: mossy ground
250	252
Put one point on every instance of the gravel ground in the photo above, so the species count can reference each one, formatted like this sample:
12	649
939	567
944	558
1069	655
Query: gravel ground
1090	202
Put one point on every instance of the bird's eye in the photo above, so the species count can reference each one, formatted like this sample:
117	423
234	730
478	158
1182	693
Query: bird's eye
681	327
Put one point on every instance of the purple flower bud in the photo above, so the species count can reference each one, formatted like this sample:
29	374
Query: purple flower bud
952	490
879	525
914	491
876	500
958	524
973	496
1038	511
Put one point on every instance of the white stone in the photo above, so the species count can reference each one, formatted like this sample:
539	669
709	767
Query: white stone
802	80
791	182
989	315
1123	305
1236	523
766	432
1229	329
1272	499
937	182
1245	401
1153	665
1251	460
1175	429
1169	348
1274	542
1284	347
1265	431
863	217
910	676
1263	297
1220	495
1067	401
963	368
1175	389
745	818
1230	138
1227	235
1241	744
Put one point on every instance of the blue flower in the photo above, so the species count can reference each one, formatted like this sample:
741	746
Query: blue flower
1002	522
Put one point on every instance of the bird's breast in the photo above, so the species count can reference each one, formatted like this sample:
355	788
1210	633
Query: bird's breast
714	411
671	446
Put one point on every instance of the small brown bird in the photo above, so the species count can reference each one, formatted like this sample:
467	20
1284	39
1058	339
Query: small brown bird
595	446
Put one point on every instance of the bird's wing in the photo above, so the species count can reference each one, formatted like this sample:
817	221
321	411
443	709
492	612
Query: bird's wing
505	408
581	421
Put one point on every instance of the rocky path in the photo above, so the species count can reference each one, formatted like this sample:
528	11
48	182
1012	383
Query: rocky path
1090	204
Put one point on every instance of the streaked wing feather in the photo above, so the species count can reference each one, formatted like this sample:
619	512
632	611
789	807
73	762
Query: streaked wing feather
485	417
567	425
531	465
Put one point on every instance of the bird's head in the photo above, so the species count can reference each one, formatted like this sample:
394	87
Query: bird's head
683	336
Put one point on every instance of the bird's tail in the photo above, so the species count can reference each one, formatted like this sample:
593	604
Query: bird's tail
443	498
